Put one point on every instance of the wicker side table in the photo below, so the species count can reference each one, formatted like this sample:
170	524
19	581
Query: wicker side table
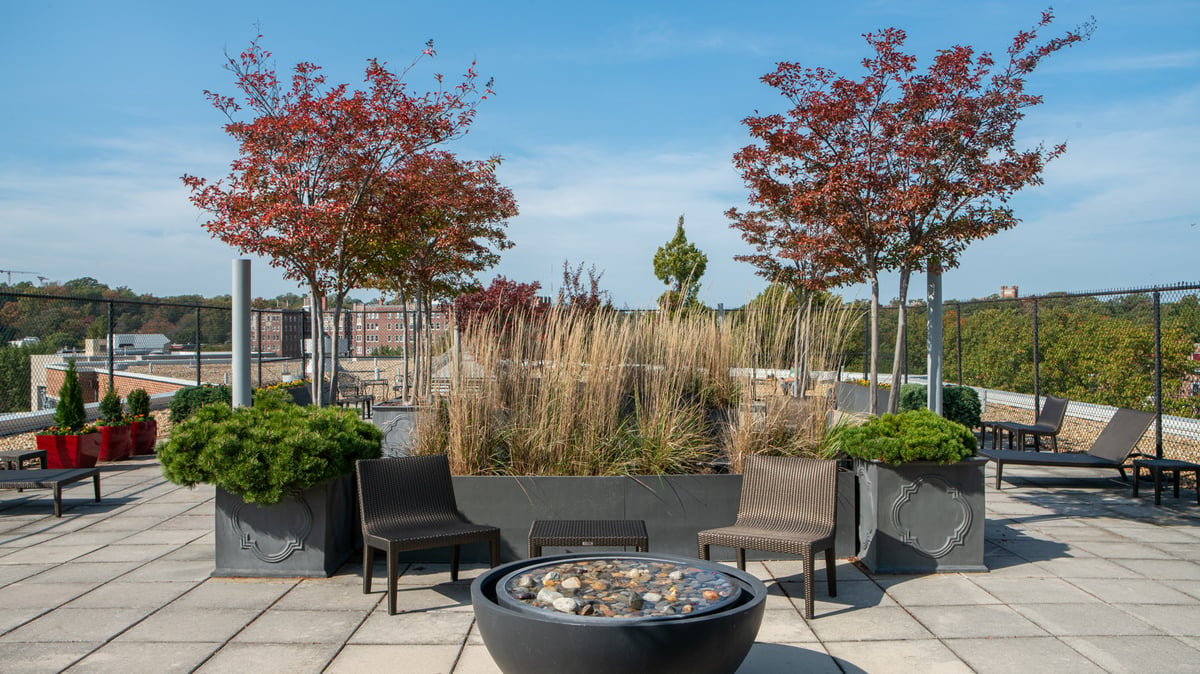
1157	467
587	533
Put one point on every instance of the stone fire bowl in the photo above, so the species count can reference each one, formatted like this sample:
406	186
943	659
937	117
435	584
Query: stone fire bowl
533	641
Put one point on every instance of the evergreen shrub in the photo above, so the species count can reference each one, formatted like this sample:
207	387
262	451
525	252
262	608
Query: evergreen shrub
959	403
916	435
266	451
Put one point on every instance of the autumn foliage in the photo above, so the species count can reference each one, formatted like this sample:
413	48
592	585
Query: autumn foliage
320	168
898	169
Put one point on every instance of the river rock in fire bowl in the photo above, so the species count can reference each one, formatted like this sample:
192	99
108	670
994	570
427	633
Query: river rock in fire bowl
624	612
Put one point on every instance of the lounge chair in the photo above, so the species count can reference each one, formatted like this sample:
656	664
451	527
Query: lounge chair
1112	447
407	503
1049	423
787	505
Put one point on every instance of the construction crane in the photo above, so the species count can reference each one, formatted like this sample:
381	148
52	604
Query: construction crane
10	272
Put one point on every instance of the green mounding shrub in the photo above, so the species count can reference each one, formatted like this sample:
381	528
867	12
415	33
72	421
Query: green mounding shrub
959	403
139	403
916	435
264	452
70	415
191	398
111	413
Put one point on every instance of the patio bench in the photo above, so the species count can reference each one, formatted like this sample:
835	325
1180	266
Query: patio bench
49	479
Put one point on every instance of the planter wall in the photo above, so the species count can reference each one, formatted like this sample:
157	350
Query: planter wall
674	507
116	442
70	451
921	517
145	435
311	533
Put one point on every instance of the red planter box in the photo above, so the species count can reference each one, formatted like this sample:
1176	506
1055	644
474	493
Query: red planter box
145	435
70	451
116	442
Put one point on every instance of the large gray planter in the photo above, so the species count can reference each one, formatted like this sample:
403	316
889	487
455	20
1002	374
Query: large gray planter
921	517
398	423
310	533
850	397
674	507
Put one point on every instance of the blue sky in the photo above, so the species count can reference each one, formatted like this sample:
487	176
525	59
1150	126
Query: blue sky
613	119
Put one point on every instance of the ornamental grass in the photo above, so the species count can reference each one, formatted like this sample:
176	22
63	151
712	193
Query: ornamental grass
609	393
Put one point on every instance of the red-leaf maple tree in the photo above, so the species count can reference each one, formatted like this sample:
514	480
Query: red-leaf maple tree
437	222
310	156
896	170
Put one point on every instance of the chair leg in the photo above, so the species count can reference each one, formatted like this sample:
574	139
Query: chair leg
704	548
393	575
494	549
831	571
741	558
453	563
808	585
368	567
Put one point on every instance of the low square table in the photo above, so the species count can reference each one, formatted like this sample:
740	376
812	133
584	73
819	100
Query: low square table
53	478
587	533
14	459
1157	467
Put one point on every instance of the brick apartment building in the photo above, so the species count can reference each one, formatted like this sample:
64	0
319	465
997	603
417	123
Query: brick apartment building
379	326
366	328
282	332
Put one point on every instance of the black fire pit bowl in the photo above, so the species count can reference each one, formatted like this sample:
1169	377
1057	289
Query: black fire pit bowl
539	642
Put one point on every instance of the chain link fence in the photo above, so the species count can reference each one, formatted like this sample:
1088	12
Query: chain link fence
1102	350
1137	348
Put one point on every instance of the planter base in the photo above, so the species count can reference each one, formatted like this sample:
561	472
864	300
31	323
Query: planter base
674	508
70	451
309	534
921	517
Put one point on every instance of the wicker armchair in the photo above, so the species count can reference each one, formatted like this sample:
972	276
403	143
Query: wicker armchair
407	503
787	505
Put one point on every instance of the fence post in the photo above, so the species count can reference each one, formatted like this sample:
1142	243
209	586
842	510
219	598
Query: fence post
111	381
198	380
958	337
1037	391
258	320
1158	443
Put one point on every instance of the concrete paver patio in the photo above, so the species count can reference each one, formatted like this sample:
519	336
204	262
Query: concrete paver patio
1083	578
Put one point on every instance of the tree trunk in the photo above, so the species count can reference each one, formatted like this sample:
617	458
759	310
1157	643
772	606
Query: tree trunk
337	316
873	379
901	330
418	352
318	348
796	354
407	355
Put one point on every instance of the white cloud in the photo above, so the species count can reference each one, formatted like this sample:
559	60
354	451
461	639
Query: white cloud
614	208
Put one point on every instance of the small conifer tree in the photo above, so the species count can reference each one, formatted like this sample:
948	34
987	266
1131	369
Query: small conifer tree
69	414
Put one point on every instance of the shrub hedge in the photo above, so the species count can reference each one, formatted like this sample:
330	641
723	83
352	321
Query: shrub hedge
191	398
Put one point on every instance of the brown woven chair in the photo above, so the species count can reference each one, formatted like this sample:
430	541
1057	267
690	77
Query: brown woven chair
787	505
407	503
